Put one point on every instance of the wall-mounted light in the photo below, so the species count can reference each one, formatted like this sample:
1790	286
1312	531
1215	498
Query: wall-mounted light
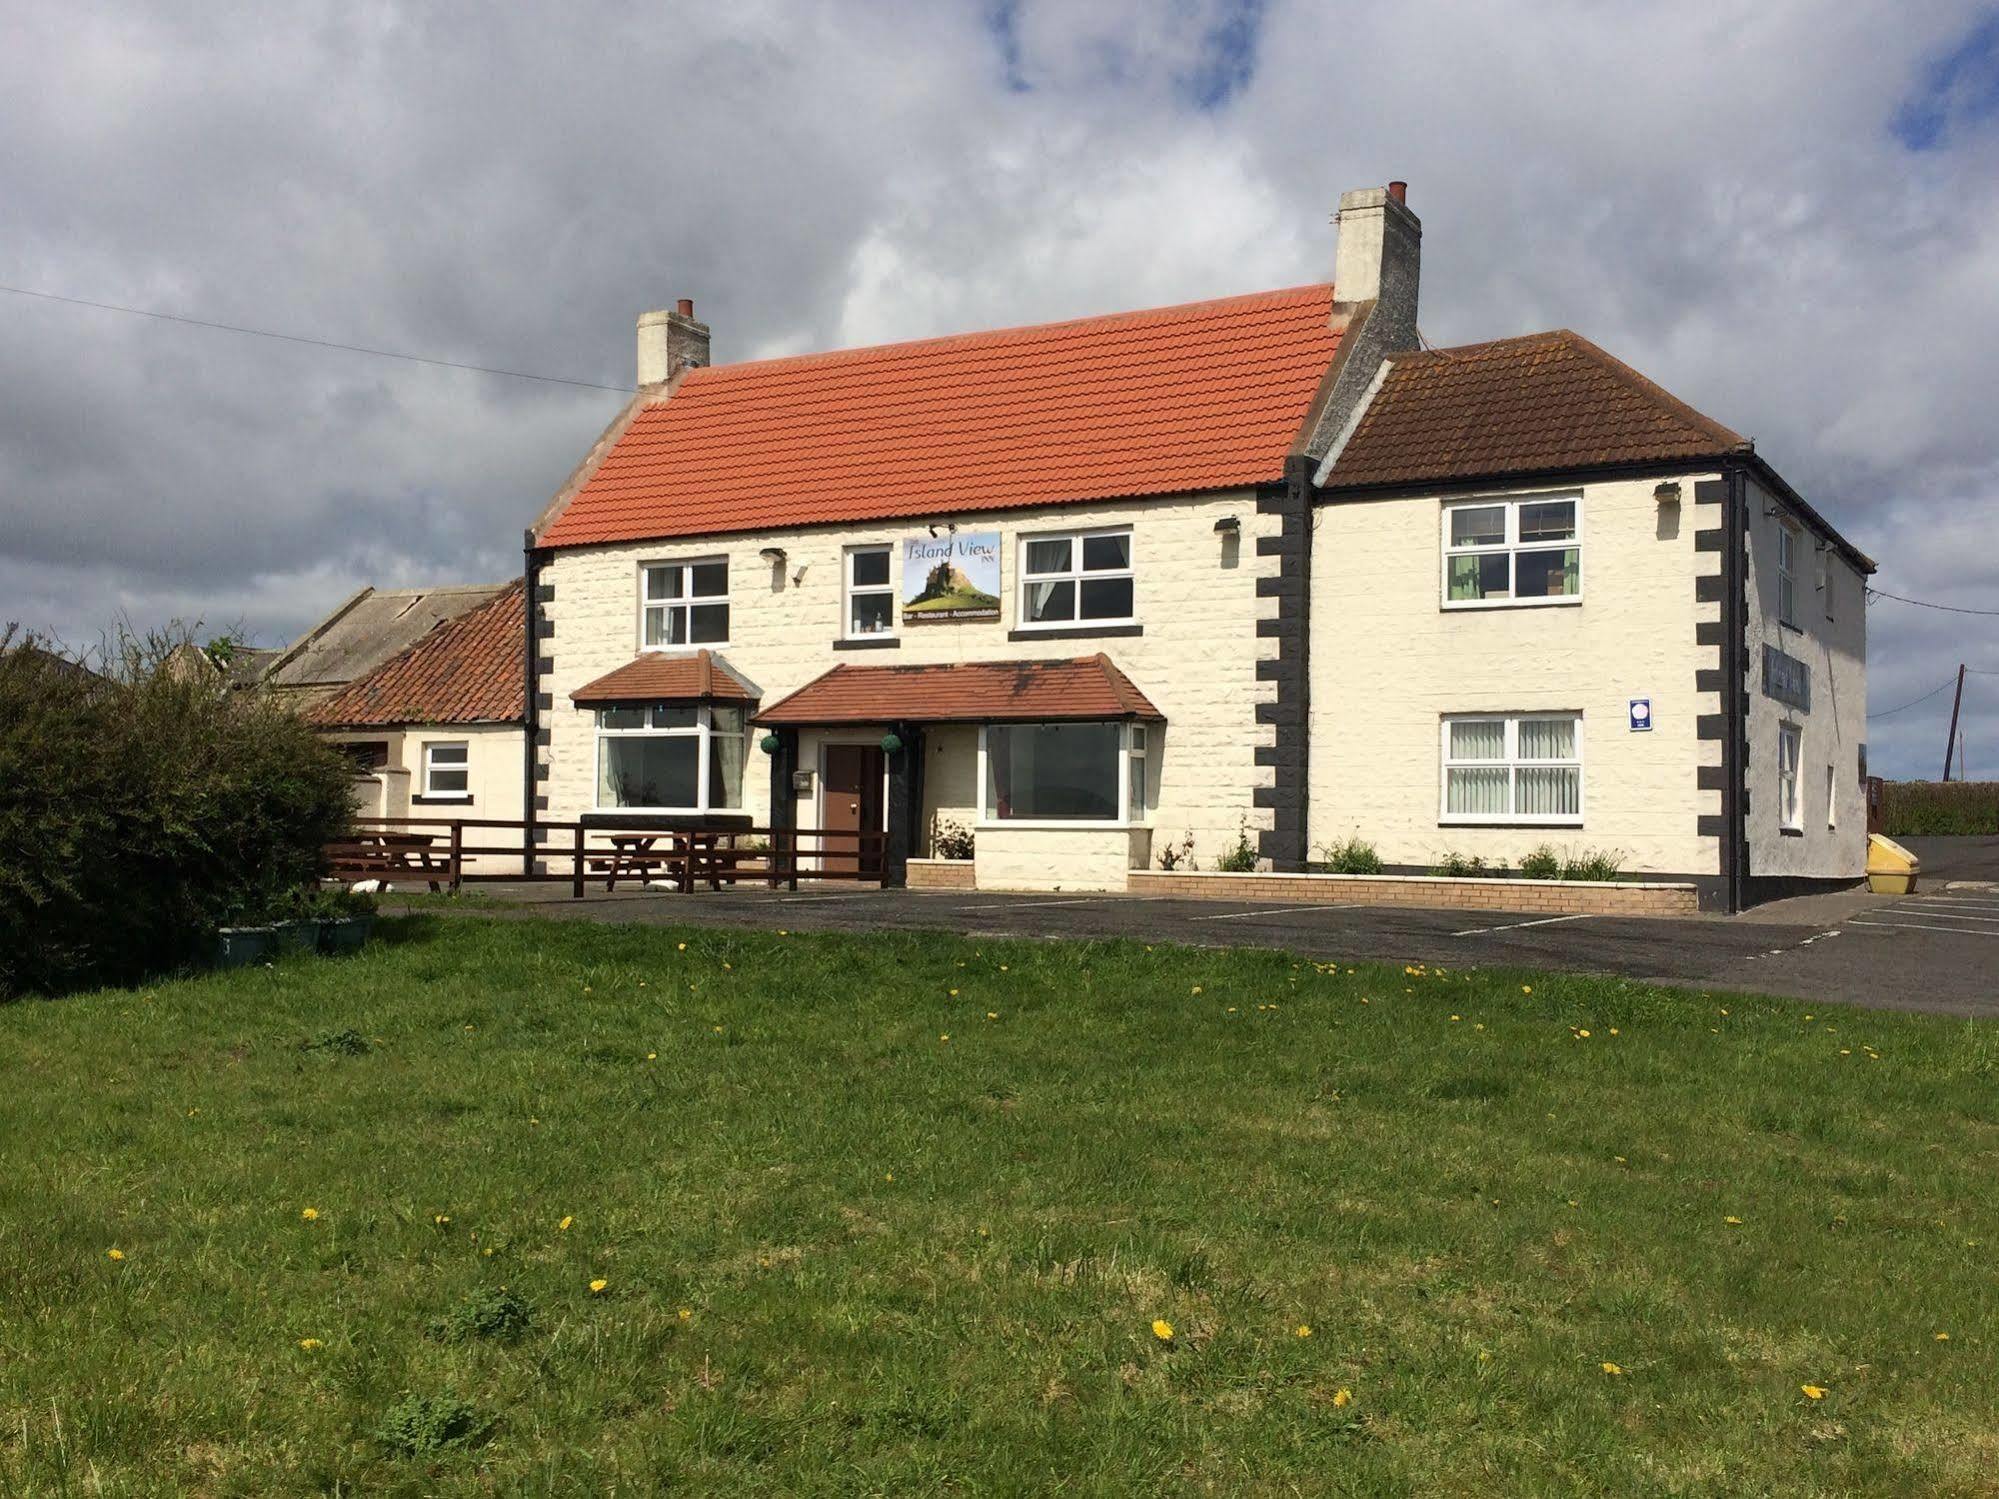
1228	525
1667	493
773	555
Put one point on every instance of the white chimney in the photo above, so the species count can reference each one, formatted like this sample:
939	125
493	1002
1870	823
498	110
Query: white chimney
1381	248
670	342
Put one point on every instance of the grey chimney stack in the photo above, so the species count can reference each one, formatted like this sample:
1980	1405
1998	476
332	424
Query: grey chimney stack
1375	280
670	342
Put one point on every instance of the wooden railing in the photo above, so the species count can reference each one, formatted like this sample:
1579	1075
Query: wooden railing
449	852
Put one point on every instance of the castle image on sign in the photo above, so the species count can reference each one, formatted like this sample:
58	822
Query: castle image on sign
950	577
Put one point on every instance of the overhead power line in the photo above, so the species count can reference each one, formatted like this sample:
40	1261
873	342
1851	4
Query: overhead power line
1882	593
1948	681
318	343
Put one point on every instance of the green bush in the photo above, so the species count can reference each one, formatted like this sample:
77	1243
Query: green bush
1937	809
1353	855
1241	859
1459	866
1541	864
1593	864
141	809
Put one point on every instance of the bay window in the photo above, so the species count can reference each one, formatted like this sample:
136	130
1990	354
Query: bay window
1513	768
685	603
870	598
1084	577
670	757
1063	772
1512	552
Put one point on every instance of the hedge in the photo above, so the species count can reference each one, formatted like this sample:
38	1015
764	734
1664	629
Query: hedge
1921	809
143	808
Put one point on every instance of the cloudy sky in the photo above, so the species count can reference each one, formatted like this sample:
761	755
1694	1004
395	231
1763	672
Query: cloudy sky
1787	213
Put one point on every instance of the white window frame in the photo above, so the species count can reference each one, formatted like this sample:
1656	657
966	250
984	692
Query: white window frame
702	730
849	591
430	767
1513	763
1787	574
686	601
1831	799
1790	785
1126	754
1076	574
1512	546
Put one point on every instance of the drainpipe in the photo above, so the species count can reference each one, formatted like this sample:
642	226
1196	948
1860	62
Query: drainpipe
531	710
1734	677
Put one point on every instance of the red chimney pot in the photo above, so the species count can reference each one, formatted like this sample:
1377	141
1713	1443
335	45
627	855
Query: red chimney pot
685	307
1399	191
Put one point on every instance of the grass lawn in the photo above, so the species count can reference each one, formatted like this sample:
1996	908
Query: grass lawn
567	1208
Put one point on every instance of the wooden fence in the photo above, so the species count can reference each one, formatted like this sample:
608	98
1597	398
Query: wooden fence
450	852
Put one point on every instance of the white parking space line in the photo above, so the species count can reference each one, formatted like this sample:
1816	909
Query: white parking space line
1931	903
1272	911
1514	926
1024	905
1924	926
1901	909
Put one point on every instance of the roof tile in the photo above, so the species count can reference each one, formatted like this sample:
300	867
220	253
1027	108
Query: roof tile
1089	687
468	669
658	676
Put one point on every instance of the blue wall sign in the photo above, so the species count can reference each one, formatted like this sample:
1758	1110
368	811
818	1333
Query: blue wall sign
1641	715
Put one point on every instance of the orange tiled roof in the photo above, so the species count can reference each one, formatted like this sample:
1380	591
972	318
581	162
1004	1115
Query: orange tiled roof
659	677
1203	396
965	691
468	669
1519	405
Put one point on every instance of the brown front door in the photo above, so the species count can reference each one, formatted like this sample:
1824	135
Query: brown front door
853	805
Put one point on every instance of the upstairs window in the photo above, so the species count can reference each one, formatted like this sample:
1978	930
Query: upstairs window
685	603
1787	575
870	599
1084	577
1512	552
1504	768
446	771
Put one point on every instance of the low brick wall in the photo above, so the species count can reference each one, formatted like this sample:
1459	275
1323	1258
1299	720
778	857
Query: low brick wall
1554	897
943	874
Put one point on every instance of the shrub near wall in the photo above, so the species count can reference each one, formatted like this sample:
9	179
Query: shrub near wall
140	812
1919	809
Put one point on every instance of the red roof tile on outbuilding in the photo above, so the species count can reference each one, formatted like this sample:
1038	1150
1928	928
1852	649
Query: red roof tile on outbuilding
468	669
659	677
1090	687
1209	395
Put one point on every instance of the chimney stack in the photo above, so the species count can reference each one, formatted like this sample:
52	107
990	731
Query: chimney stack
670	342
1381	248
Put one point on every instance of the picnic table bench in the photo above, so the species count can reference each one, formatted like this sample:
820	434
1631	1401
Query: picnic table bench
687	856
374	855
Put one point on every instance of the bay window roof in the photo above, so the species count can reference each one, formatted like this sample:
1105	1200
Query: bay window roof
658	676
1089	687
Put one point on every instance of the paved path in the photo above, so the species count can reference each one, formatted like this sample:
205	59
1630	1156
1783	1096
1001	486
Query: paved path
1933	951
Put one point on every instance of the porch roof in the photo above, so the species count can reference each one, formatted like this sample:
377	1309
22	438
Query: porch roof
1089	687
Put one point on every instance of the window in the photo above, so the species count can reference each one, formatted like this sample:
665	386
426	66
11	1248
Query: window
1512	552
870	599
1790	743
1787	578
686	603
670	757
1831	799
1524	769
1083	577
445	772
1062	772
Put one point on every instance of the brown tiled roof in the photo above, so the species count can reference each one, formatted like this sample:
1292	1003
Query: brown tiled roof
1549	401
1205	396
1089	687
468	669
660	677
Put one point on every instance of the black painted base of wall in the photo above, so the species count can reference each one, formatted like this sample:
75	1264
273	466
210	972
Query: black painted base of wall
1763	888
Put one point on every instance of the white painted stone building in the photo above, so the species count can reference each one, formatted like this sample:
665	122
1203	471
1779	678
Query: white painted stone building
1255	570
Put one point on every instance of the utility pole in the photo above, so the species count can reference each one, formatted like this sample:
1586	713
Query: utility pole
1949	744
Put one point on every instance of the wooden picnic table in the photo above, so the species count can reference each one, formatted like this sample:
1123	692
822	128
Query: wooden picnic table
633	857
381	853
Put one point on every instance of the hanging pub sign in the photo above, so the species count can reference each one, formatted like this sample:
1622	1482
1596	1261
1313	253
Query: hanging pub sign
950	577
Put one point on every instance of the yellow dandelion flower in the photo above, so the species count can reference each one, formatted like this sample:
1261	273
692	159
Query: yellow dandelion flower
1943	1337
1526	988
992	1014
563	1226
1613	1030
1304	1329
1197	987
597	1287
954	993
311	1215
1612	1369
888	1176
1732	1222
1002	968
680	947
1342	1399
1582	1035
686	1314
1162	1329
1478	1025
945	1037
652	1056
308	1344
1813	1392
114	1254
1457	1017
441	1219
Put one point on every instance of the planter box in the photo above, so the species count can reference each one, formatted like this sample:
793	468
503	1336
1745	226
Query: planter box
240	946
344	934
295	937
